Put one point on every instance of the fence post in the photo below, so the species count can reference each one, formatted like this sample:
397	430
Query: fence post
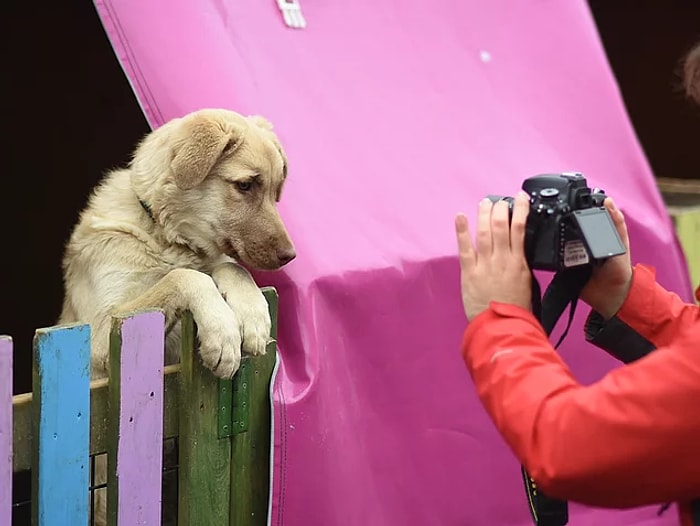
134	453
250	465
5	430
61	406
204	458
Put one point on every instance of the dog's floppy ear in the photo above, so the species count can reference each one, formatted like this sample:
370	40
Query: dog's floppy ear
261	122
202	142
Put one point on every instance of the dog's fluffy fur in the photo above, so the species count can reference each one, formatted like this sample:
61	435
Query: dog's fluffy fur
173	230
169	232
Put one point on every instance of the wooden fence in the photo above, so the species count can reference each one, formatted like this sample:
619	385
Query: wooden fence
223	428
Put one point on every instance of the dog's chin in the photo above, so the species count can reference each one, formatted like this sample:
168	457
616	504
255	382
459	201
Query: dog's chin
265	267
240	256
233	253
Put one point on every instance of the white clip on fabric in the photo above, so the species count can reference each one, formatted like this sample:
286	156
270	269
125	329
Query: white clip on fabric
291	11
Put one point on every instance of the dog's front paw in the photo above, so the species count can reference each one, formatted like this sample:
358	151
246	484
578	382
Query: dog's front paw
219	334
251	309
248	303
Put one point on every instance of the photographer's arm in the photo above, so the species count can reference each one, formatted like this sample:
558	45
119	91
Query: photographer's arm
631	439
650	317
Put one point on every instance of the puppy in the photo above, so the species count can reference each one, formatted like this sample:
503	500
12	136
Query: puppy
174	230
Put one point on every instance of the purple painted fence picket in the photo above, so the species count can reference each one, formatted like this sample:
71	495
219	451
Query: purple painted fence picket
5	430
136	416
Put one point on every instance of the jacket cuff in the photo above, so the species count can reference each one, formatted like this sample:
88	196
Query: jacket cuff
476	334
637	309
497	311
616	338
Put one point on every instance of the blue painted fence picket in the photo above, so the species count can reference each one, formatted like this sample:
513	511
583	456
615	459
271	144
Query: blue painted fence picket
61	401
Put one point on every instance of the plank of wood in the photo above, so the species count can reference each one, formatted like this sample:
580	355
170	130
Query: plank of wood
682	198
204	459
668	185
135	457
687	225
61	394
250	465
22	424
5	430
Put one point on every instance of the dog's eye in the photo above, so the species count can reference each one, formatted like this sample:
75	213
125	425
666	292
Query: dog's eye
244	186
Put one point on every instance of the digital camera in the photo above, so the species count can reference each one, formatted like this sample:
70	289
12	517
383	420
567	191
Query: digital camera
568	225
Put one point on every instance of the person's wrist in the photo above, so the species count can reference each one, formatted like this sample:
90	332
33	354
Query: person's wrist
614	300
473	309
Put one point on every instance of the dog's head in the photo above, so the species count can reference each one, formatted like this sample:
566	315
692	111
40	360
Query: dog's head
213	179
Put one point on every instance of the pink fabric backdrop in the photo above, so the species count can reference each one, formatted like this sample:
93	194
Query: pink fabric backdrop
396	115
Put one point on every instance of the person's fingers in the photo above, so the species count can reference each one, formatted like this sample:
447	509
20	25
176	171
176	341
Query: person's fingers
500	229
521	209
619	221
484	241
467	254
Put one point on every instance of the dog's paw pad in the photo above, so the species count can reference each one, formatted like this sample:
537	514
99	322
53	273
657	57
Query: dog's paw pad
228	365
220	344
257	347
256	327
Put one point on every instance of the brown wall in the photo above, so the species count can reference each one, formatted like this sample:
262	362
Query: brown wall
645	40
69	114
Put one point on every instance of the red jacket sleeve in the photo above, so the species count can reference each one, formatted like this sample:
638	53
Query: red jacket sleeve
631	439
655	313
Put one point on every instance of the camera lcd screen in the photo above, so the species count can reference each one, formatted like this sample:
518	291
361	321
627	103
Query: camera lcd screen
599	233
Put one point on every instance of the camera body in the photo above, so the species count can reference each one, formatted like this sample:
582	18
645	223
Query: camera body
567	226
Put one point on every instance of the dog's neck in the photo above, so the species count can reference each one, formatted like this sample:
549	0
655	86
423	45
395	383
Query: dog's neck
197	252
147	209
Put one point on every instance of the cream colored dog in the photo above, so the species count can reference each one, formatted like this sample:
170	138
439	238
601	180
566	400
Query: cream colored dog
171	232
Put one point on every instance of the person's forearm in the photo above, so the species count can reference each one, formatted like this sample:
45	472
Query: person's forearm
609	444
652	311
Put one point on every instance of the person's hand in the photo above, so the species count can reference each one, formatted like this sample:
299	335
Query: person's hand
607	289
496	269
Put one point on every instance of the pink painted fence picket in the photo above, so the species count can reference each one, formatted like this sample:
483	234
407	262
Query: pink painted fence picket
5	430
136	407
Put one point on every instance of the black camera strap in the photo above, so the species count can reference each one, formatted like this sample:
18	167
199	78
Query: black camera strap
563	290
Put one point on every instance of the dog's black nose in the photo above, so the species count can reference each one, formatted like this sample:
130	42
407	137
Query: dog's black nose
285	255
